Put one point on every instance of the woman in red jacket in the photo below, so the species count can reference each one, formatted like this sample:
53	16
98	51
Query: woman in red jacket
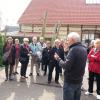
94	68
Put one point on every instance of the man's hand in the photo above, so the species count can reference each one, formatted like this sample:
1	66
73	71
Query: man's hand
56	56
29	54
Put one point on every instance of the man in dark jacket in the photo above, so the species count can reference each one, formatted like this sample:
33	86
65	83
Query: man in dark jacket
46	56
74	67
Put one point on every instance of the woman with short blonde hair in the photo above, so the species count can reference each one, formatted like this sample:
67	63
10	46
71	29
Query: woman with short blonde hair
94	68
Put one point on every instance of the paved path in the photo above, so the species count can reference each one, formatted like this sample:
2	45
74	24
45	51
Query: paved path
34	88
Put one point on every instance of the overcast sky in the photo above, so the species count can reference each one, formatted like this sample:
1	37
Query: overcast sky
11	10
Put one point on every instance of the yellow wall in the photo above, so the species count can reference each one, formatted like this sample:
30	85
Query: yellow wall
50	30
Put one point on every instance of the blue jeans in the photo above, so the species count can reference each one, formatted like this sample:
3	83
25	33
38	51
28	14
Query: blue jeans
71	91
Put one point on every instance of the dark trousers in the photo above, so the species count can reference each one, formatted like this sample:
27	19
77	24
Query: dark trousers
51	67
60	69
23	68
71	91
42	67
92	75
45	67
8	73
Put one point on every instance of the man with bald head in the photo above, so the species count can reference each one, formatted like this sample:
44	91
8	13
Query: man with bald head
74	67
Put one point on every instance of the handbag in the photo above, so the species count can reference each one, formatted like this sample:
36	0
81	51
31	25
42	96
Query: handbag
6	56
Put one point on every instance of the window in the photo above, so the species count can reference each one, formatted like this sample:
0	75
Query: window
87	36
92	1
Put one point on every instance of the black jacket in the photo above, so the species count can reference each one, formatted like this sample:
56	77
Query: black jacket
46	55
75	64
59	51
11	59
24	58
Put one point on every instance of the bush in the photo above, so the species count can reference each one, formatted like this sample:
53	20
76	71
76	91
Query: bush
1	48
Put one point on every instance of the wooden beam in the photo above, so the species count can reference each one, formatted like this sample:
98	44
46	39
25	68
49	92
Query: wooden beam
58	28
44	24
81	32
32	28
20	28
67	29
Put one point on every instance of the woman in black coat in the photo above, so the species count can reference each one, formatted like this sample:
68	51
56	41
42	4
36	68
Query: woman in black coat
53	63
9	57
24	57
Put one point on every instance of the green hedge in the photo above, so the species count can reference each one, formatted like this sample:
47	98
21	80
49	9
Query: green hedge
1	48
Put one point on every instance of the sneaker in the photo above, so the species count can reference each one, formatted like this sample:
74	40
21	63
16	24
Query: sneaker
22	77
31	74
25	76
88	93
11	79
98	97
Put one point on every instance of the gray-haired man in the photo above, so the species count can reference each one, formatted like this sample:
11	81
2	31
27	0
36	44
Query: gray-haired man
74	67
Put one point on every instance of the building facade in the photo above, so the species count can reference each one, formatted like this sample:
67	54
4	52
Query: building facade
56	18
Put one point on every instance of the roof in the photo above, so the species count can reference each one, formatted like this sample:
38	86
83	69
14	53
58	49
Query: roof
65	11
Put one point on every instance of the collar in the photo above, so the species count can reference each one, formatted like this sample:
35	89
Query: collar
78	43
34	43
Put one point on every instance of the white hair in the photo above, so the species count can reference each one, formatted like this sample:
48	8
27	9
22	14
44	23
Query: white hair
26	39
57	40
16	39
75	36
34	38
92	42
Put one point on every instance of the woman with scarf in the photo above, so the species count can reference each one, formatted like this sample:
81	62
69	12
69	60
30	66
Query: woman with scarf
24	57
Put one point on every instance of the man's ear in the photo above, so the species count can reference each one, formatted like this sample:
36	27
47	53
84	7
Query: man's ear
73	40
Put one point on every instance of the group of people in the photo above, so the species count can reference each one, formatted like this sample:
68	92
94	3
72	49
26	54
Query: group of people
70	55
40	53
